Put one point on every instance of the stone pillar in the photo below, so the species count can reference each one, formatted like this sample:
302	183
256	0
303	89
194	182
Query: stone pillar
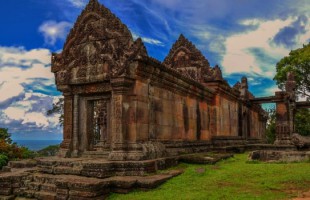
282	120
75	139
285	111
66	144
122	149
290	87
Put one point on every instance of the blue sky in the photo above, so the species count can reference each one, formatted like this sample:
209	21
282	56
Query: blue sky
244	37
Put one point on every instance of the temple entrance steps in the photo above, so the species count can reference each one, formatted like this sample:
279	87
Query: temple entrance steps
102	168
56	178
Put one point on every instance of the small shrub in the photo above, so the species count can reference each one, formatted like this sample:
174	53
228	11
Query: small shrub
51	150
3	160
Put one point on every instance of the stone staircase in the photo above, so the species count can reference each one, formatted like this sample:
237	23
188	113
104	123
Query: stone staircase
39	186
80	179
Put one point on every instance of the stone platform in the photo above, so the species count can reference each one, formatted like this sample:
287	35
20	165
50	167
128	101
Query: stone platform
280	156
79	179
94	178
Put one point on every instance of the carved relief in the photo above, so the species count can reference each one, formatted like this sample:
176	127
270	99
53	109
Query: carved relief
100	42
117	118
91	88
62	77
189	61
81	73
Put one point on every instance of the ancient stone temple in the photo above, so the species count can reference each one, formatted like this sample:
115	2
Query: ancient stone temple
121	104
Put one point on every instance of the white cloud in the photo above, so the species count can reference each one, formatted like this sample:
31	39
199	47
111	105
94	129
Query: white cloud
78	3
148	40
238	57
19	67
20	56
14	113
22	72
9	90
52	31
37	118
270	91
22	111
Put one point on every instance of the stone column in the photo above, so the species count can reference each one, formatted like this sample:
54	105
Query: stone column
121	148
66	144
290	87
282	120
75	139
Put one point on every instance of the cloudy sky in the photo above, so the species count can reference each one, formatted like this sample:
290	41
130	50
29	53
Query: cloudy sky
244	37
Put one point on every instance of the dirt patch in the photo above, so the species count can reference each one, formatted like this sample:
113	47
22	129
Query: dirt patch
293	189
215	167
200	170
303	196
204	158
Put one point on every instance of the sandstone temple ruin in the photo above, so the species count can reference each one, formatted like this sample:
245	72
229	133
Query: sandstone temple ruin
122	104
128	115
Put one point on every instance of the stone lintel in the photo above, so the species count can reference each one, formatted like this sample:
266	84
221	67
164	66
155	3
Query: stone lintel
122	84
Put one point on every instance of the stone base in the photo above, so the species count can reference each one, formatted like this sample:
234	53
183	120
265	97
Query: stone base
138	151
283	141
64	153
280	156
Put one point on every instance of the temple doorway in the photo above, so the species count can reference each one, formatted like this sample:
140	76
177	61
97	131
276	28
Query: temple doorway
98	123
95	126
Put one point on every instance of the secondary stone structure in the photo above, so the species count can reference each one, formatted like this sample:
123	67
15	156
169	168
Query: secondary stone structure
121	104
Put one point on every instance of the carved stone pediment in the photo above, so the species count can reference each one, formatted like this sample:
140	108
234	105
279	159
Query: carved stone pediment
98	47
188	60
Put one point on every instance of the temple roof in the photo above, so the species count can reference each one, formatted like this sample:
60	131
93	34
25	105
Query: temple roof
96	22
187	59
187	51
98	38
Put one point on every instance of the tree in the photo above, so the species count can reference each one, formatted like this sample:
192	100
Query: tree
5	135
302	122
11	151
58	108
298	62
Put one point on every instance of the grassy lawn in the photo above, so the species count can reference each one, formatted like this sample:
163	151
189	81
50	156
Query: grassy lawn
234	178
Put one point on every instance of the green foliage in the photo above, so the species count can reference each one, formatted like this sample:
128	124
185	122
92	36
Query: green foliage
3	160
58	108
51	150
5	135
12	150
302	122
298	62
271	126
27	153
231	179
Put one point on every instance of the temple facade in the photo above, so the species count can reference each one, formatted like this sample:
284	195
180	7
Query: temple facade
121	104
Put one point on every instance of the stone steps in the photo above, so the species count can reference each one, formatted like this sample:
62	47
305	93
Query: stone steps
67	170
82	178
12	197
41	195
49	187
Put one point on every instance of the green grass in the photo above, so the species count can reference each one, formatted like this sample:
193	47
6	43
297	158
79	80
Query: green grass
234	178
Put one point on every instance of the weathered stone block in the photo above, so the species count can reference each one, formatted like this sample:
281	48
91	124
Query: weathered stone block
6	191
